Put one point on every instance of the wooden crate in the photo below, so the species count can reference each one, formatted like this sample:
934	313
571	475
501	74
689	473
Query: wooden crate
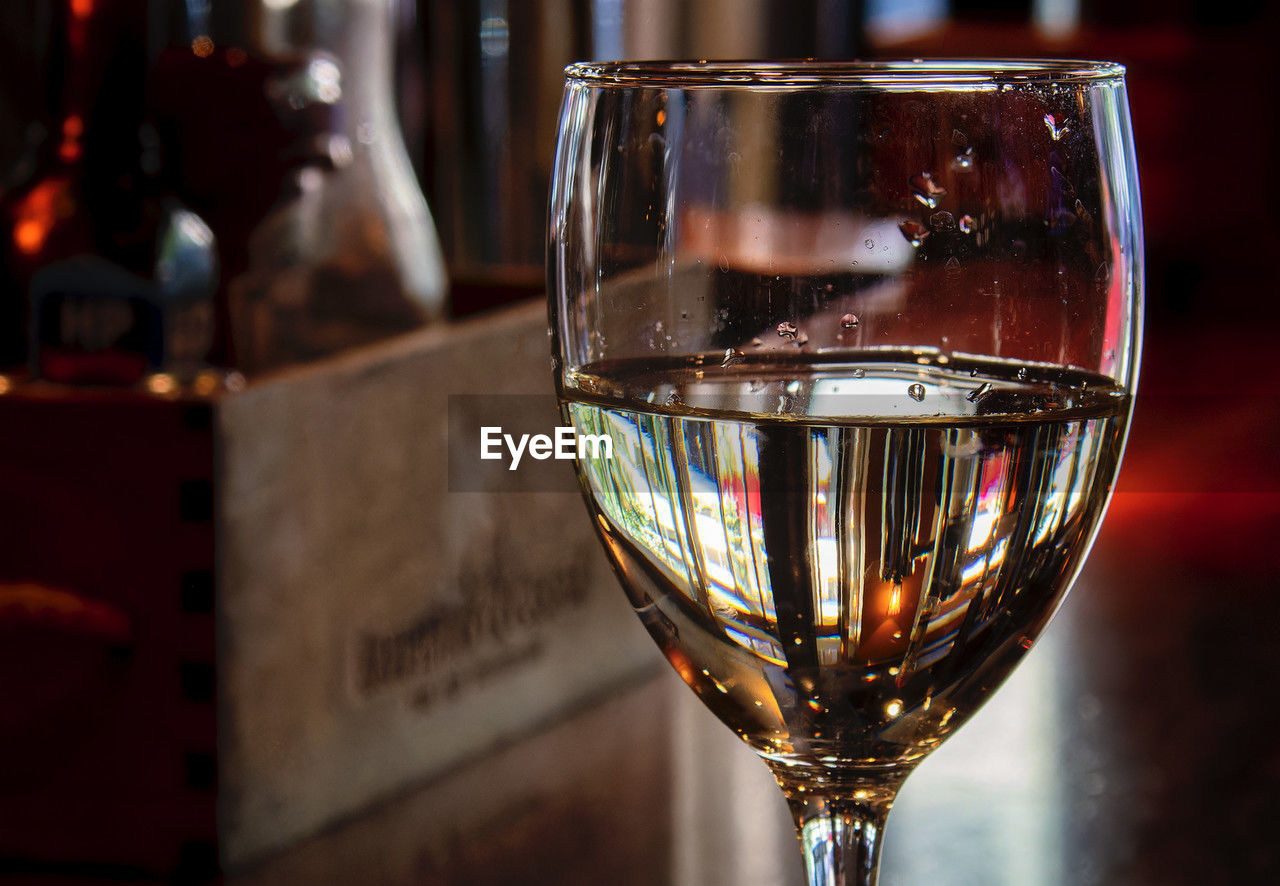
316	617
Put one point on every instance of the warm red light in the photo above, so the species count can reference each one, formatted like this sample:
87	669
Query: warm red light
895	601
82	8
37	214
32	604
28	235
72	129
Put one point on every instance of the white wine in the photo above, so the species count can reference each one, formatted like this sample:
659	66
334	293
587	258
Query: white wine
845	558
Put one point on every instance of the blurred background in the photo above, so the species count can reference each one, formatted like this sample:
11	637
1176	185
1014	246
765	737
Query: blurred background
220	223
471	89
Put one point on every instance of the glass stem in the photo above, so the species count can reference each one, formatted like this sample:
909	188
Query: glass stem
840	834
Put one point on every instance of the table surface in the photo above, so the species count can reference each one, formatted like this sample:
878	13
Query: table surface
1135	745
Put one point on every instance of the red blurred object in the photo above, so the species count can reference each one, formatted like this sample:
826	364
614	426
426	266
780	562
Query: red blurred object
237	147
107	719
1201	480
1203	131
106	276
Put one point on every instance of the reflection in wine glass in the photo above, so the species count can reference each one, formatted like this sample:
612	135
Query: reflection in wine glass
864	340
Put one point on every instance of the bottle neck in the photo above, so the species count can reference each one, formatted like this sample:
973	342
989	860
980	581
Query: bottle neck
360	34
100	97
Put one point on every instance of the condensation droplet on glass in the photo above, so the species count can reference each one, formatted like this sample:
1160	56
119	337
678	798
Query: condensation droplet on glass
959	139
1022	373
787	330
952	266
926	190
859	373
966	224
916	391
979	392
731	357
963	162
793	387
942	221
674	399
914	232
869	243
849	321
1056	130
756	342
722	262
973	373
684	315
802	339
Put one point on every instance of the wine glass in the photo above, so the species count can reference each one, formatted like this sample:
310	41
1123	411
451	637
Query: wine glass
862	339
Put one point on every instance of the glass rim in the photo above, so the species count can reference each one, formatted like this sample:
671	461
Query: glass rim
876	74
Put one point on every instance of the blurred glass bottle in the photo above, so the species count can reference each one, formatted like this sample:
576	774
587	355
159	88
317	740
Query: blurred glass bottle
497	75
330	243
496	69
107	278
